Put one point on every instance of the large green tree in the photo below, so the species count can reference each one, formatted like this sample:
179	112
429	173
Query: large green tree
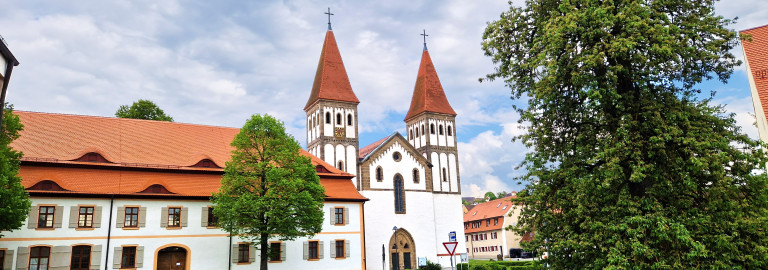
143	109
14	200
632	168
269	189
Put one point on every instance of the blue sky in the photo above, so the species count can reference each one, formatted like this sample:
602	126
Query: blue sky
218	62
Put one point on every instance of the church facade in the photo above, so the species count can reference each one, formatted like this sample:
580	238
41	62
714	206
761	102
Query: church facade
412	180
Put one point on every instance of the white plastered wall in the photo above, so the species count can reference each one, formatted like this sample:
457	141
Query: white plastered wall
390	167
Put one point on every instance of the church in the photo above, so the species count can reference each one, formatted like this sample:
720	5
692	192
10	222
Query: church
412	180
114	193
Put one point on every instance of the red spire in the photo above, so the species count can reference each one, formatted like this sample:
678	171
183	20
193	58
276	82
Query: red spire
428	94
331	81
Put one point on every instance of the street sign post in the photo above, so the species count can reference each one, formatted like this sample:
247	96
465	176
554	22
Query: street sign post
452	236
464	259
451	248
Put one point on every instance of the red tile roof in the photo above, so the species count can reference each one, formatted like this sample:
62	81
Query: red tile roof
331	81
52	142
428	94
488	210
365	151
756	52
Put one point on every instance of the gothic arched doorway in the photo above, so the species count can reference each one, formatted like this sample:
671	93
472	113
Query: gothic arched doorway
402	250
172	258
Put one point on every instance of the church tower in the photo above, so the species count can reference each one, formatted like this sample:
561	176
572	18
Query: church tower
332	111
431	127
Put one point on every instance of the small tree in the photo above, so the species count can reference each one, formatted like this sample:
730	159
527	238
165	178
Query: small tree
143	109
489	196
269	189
14	200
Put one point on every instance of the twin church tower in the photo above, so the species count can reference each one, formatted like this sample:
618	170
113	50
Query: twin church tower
412	180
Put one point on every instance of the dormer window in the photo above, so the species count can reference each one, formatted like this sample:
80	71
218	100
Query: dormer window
92	157
504	208
205	163
47	185
475	213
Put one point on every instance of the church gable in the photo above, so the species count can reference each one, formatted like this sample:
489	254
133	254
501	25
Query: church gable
394	158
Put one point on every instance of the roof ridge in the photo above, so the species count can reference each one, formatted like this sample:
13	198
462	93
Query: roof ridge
124	119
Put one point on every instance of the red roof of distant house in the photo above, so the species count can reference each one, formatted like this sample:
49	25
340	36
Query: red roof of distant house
428	94
132	151
331	81
756	52
488	210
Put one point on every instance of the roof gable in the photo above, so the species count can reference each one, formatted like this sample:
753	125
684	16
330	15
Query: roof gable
756	56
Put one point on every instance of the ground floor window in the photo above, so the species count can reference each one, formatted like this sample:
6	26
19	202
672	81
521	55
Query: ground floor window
81	258
38	258
274	252
313	254
243	253
128	258
340	249
2	259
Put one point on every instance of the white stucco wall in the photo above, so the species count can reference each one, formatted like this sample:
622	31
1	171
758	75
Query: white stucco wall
209	248
390	167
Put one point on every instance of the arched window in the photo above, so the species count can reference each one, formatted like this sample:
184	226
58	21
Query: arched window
338	119
417	132
422	129
432	129
450	131
349	119
399	195
445	175
440	129
379	174
415	175
410	133
327	117
340	166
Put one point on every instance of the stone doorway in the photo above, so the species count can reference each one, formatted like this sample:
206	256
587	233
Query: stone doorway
402	250
172	258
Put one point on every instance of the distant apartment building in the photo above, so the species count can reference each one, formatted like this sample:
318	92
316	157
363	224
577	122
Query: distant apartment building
484	230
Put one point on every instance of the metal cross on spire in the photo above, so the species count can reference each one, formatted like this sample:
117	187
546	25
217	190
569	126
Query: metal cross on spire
424	34
329	18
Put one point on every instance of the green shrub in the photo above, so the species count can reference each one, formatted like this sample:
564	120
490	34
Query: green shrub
431	266
462	266
481	267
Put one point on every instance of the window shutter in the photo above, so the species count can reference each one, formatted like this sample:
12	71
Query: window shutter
95	257
164	217
143	217
346	215
282	251
320	249
306	250
139	256
32	220
333	249
117	259
251	253
333	216
204	217
184	215
73	215
346	248
120	221
22	259
60	257
58	215
97	217
234	253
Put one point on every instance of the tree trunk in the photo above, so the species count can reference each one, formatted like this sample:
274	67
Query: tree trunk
264	244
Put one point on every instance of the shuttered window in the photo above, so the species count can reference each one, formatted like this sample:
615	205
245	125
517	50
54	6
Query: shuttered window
85	217
275	251
45	217
131	217
81	258
174	217
243	253
340	249
38	258
339	215
312	249
128	257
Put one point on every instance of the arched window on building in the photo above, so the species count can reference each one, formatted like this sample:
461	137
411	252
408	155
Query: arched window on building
338	119
340	166
450	131
379	174
410	134
445	175
327	117
422	129
432	129
349	119
415	175
399	195
440	129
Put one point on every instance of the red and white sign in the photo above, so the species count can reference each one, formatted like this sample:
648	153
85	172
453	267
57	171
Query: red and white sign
450	247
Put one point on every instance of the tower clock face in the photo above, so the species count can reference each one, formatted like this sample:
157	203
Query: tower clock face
340	132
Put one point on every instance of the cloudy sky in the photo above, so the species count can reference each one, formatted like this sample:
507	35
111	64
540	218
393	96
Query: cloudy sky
218	62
